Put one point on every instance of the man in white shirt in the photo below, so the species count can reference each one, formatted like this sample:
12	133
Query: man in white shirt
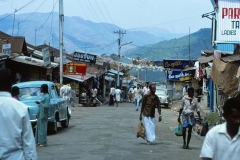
94	95
138	95
146	89
16	136
222	142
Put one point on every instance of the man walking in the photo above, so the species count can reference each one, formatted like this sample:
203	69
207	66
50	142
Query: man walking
149	103
146	89
16	136
223	141
137	95
188	106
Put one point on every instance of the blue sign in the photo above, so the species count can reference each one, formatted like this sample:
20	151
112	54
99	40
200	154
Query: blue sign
178	64
175	75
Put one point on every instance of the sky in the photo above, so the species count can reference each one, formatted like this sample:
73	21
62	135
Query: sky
177	16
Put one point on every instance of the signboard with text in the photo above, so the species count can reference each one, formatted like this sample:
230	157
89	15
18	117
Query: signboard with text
177	64
175	75
84	57
228	24
75	68
6	49
46	56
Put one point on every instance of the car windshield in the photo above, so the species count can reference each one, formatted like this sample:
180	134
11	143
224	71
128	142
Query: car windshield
160	91
29	92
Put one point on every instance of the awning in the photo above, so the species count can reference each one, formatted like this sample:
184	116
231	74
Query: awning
189	69
204	59
115	72
109	78
78	78
33	61
231	58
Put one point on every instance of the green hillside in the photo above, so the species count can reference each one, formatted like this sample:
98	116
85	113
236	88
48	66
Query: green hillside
176	48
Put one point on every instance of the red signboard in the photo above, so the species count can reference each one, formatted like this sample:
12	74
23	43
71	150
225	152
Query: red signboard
75	68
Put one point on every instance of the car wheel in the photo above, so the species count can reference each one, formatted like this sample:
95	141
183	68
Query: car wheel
166	105
65	123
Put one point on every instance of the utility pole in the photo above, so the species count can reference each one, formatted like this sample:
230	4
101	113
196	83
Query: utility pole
61	39
189	48
119	48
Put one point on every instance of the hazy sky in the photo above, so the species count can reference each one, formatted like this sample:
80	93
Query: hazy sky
174	15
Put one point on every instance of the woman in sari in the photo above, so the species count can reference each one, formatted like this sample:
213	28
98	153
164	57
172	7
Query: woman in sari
42	116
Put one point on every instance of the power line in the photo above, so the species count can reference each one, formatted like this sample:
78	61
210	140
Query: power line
47	17
108	13
16	10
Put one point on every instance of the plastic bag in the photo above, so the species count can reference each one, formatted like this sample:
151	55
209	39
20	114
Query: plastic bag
141	130
178	129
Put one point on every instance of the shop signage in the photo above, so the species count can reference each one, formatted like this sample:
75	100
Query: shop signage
99	61
6	49
177	64
84	57
158	63
75	68
228	24
175	75
46	56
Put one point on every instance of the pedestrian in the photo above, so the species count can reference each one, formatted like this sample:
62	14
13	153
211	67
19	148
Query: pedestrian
42	116
223	140
133	95
149	103
15	92
130	94
137	95
16	136
53	92
65	92
118	95
146	89
94	95
188	106
112	96
185	88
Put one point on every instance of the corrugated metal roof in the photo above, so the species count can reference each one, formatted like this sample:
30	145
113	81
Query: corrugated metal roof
33	61
78	78
231	58
204	59
189	69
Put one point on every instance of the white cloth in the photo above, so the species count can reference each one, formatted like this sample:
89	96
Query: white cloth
65	92
149	124
118	94
218	145
137	93
16	137
187	107
112	91
146	90
94	92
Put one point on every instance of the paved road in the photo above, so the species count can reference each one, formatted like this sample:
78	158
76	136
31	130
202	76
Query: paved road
109	133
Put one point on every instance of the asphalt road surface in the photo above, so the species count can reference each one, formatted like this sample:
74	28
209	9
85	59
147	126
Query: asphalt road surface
109	133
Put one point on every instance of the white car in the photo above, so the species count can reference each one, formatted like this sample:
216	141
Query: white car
163	96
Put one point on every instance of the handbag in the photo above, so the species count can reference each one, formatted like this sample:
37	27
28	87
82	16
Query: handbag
141	130
178	129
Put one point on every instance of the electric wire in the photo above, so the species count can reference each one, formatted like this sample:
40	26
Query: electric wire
109	14
47	17
97	16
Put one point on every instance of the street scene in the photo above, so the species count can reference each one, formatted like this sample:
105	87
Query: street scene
110	133
119	80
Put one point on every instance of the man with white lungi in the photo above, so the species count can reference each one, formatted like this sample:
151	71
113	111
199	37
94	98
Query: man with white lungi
149	103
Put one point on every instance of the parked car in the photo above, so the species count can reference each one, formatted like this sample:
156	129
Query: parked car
163	96
58	109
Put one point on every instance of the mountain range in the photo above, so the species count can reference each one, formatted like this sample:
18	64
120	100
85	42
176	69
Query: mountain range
79	34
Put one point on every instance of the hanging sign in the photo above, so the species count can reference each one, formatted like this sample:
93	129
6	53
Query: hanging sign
46	56
84	57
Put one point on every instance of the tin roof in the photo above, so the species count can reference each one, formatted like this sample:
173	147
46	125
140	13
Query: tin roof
33	61
78	78
231	58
